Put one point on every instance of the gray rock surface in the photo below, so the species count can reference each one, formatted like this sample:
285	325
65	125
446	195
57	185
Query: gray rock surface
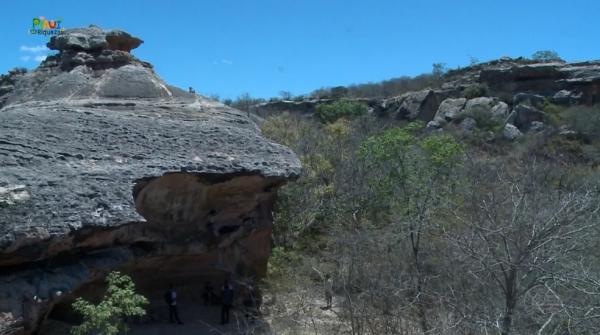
510	132
526	114
468	125
488	107
103	165
93	38
566	97
450	109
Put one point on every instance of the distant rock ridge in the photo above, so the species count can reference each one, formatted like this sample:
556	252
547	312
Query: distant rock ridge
104	166
512	89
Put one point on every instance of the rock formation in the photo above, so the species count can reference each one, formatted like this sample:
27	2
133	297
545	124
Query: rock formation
515	90
104	166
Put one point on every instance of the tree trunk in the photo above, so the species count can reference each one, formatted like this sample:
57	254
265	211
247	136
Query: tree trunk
421	310
510	302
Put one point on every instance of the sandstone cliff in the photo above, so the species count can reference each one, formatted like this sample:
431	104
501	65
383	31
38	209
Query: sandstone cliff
105	166
515	92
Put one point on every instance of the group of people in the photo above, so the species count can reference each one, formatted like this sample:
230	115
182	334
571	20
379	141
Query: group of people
211	298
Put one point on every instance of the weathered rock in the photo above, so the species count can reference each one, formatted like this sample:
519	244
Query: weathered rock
533	100
566	97
91	38
537	126
421	105
105	168
525	115
486	107
434	124
120	40
510	132
468	125
449	109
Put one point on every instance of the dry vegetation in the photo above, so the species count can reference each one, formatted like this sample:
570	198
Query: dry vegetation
432	233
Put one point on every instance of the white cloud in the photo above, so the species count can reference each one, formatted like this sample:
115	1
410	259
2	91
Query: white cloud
25	58
223	61
34	48
40	58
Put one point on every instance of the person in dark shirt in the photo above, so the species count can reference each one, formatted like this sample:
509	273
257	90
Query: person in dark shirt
171	299
226	300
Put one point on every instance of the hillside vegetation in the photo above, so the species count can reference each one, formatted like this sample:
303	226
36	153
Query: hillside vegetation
483	221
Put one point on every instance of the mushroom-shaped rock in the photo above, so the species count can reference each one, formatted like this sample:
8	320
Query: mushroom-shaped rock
91	38
105	166
120	40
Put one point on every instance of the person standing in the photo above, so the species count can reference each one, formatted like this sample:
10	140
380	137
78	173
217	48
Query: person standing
328	291
227	301
171	299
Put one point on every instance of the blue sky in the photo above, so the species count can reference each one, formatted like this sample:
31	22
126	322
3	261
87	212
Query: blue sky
262	47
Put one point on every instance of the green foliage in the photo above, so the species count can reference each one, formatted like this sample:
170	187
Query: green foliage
441	150
106	318
243	102
554	113
389	144
475	91
546	56
338	92
400	164
484	121
584	120
338	109
384	89
438	69
281	261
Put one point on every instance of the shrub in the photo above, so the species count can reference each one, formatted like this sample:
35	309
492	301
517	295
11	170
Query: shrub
475	91
342	108
554	113
584	120
546	56
106	318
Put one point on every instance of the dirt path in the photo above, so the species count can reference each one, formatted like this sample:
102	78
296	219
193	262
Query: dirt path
198	320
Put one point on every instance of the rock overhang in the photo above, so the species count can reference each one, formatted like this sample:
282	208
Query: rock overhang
92	139
88	158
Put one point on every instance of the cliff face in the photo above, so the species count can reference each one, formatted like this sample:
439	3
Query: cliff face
104	166
505	79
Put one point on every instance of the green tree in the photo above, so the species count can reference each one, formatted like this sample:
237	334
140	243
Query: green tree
413	176
438	69
546	56
107	317
342	108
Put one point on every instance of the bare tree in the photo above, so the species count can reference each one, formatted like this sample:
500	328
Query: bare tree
520	228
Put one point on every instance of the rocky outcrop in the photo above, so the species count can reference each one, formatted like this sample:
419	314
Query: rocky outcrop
7	83
505	84
449	110
421	105
545	79
104	166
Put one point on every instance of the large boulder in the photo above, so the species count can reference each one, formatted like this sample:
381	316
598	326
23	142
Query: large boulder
108	168
525	115
420	105
93	39
486	107
566	97
510	132
121	40
449	110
